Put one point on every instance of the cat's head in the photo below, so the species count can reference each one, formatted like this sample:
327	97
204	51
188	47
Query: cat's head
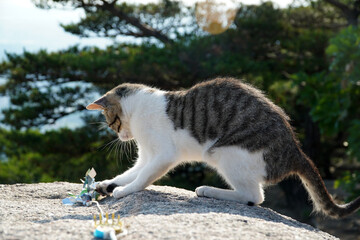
110	106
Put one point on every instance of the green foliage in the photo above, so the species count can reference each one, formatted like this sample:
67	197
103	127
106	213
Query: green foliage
333	97
349	181
165	15
64	154
344	51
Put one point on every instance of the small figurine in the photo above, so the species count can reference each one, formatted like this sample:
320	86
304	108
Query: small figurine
87	194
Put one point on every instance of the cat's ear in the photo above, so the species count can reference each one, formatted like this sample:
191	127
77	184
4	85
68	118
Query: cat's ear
99	104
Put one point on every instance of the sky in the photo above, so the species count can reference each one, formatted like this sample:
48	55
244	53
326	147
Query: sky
26	27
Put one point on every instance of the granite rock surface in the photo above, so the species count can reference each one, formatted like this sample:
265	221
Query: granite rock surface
35	211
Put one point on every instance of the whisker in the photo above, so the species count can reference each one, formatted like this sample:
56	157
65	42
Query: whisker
118	149
121	153
128	148
96	122
112	147
133	146
107	144
103	126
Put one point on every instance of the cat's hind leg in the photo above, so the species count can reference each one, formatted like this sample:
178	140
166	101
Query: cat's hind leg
243	171
249	197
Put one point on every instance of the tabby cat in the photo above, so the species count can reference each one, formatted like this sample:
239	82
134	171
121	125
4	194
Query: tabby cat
225	123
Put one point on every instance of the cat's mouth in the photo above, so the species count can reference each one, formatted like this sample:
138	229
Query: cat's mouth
125	136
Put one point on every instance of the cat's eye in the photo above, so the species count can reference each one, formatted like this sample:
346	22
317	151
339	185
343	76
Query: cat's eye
114	121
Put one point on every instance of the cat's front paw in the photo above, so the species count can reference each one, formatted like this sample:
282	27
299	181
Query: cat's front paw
119	192
106	187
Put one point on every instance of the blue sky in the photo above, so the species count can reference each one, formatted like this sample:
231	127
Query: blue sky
23	26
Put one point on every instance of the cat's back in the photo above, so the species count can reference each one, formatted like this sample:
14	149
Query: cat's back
231	90
228	111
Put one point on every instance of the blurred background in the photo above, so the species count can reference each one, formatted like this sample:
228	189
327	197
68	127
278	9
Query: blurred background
56	56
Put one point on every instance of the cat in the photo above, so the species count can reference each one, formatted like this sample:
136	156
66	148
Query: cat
223	122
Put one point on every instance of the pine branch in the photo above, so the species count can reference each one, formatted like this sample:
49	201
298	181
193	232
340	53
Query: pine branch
144	29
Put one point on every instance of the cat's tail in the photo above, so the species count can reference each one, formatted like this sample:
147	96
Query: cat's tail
321	198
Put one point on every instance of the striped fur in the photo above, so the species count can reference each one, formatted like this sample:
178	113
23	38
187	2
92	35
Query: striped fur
224	122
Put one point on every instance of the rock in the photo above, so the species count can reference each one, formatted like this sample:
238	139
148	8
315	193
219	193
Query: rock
35	211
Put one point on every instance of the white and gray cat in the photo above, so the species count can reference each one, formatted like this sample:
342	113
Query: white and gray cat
225	123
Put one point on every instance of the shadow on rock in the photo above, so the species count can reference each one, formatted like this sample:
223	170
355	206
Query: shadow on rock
153	202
